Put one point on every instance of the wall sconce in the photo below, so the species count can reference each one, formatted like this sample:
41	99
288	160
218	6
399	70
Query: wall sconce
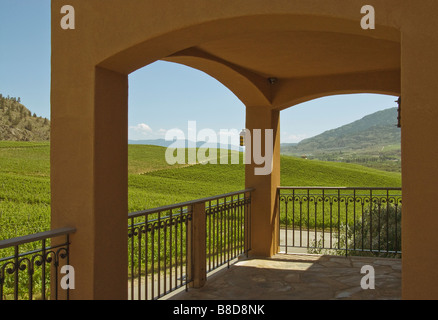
272	81
242	138
399	113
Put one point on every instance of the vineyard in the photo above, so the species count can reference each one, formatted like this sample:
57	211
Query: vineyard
25	181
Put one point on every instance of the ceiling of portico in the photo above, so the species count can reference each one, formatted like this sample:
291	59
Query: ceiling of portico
304	54
292	55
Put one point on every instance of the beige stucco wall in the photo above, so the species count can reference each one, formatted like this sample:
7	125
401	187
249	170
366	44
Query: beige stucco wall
419	149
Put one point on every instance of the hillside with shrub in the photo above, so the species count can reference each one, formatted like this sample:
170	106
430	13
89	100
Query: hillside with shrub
18	123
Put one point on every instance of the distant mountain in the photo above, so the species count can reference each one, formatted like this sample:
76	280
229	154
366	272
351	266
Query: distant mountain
17	123
157	142
370	141
183	144
375	129
289	144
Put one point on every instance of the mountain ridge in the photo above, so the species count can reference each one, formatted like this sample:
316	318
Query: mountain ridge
379	127
374	141
183	144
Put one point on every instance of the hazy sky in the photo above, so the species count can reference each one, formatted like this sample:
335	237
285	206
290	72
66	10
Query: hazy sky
162	95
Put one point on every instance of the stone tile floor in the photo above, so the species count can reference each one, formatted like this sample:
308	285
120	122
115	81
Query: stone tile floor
300	277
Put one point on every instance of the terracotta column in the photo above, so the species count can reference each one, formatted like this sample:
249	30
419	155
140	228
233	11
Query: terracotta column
264	218
419	149
89	176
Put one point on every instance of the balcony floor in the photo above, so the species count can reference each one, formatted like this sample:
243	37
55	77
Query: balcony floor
300	277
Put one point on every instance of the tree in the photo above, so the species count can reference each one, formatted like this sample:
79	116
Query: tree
28	126
15	121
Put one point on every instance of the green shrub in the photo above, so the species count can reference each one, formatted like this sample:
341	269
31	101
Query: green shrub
376	233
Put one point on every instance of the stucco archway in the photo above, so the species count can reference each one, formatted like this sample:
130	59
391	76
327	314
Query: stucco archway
242	46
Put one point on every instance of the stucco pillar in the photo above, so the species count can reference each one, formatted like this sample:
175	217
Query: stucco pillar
264	218
419	149
89	176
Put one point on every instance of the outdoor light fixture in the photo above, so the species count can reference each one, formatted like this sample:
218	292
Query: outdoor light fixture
273	81
399	113
242	138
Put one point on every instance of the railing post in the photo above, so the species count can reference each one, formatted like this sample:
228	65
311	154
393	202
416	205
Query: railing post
247	223
196	255
277	209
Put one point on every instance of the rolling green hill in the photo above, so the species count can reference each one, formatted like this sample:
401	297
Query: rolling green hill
25	181
374	141
376	129
17	123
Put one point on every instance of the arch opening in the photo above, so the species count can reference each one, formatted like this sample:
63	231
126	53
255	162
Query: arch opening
344	196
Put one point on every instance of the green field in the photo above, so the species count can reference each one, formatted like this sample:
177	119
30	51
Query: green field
25	181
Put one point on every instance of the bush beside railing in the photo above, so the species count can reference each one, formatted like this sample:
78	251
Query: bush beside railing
370	237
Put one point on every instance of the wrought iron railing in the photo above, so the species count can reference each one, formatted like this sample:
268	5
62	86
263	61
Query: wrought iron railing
350	221
158	242
30	265
177	245
228	228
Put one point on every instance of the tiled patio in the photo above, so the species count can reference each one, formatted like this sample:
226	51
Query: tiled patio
300	277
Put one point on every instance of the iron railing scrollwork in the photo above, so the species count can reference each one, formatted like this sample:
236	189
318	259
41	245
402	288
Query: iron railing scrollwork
353	221
30	265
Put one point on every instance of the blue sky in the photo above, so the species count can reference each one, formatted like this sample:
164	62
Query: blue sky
188	94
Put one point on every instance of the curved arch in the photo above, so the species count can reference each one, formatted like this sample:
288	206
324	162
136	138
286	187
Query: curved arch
139	54
295	91
333	93
250	86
